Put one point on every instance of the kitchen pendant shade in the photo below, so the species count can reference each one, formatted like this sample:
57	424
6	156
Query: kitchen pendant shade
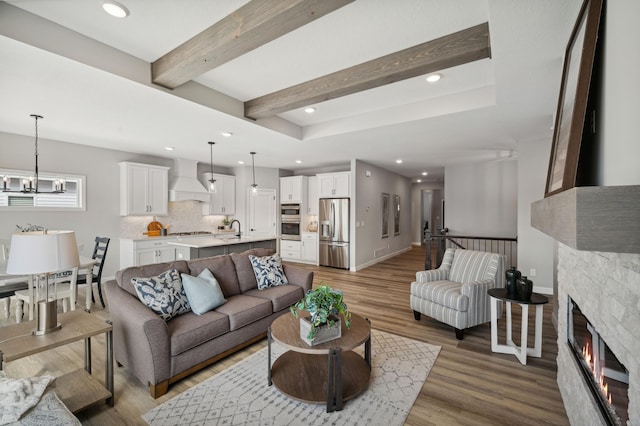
42	252
254	185
212	181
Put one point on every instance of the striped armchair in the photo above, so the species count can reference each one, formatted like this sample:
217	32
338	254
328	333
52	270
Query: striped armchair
456	292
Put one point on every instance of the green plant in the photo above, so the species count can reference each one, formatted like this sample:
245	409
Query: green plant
226	221
321	303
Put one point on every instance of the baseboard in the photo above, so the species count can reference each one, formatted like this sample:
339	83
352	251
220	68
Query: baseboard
379	259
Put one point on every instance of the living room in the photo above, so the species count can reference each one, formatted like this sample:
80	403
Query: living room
464	214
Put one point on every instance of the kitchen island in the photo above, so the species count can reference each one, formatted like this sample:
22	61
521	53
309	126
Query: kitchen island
210	246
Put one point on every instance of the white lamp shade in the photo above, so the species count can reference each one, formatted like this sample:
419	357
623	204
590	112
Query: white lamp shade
42	252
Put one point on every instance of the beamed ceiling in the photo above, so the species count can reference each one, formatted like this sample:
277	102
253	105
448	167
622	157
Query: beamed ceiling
177	73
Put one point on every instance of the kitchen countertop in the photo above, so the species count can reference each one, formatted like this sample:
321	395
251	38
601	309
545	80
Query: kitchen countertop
202	242
223	234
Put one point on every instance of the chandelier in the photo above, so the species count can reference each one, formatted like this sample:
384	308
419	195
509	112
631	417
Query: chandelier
31	185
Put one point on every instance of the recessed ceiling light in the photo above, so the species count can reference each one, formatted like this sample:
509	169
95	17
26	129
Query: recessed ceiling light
116	9
240	162
226	134
419	180
433	78
298	161
310	110
424	173
169	148
399	161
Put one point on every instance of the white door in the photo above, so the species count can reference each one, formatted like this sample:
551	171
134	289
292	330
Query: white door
262	213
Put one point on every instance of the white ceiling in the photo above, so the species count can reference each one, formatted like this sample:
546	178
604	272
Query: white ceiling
477	112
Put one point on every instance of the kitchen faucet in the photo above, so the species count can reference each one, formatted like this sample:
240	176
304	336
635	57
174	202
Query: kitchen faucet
239	234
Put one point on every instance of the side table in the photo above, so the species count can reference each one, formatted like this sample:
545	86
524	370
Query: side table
499	295
78	389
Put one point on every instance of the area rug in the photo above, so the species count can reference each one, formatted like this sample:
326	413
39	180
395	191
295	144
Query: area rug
240	395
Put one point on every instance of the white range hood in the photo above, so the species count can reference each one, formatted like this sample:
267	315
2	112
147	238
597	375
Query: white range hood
184	184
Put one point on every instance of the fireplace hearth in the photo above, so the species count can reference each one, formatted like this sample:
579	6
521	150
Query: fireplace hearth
606	376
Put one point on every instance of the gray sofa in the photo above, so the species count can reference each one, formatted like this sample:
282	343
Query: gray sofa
160	353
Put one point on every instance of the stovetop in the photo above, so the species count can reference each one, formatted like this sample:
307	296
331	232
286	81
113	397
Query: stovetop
180	234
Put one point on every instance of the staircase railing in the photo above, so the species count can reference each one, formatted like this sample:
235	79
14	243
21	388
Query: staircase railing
437	244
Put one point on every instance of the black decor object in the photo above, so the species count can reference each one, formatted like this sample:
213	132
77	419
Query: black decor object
512	275
525	289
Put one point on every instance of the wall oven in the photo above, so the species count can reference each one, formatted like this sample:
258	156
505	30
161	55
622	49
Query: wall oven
290	222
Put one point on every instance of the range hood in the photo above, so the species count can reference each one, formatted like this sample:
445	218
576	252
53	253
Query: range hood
184	184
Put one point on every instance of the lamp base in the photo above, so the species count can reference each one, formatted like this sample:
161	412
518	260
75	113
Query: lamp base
46	318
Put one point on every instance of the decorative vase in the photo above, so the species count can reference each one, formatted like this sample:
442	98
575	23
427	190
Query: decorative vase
512	276
324	332
525	289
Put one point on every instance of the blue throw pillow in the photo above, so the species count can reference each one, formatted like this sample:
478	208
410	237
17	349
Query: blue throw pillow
203	292
268	271
163	294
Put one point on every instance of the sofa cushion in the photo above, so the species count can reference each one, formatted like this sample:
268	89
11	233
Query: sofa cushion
223	269
244	269
203	291
163	294
189	330
123	277
281	296
268	271
469	266
243	310
445	293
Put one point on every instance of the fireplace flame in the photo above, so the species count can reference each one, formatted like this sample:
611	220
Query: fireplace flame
598	375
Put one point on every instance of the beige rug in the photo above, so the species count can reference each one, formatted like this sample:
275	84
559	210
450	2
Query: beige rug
240	395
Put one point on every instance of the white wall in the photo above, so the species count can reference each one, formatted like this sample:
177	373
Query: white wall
535	249
620	108
366	205
481	199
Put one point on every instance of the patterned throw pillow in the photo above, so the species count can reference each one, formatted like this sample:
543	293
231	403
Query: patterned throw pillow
268	271
203	292
163	294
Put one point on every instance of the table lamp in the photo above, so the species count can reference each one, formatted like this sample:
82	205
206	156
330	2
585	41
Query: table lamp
41	253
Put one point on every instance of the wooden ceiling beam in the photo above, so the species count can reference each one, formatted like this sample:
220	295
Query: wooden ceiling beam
459	48
253	25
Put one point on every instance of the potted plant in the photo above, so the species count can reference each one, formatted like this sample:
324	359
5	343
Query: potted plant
226	222
325	306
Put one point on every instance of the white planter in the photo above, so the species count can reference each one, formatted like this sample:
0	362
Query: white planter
324	334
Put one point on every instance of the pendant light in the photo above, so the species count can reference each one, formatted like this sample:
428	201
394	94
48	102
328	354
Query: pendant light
212	181
30	185
254	185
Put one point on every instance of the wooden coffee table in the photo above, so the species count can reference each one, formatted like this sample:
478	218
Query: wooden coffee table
328	373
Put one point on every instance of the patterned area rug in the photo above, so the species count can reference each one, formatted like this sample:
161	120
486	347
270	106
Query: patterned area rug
240	395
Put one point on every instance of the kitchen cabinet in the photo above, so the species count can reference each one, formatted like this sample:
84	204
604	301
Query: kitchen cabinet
309	247
290	250
145	252
312	196
144	189
334	185
293	189
223	200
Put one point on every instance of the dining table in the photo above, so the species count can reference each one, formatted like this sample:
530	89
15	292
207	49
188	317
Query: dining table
85	267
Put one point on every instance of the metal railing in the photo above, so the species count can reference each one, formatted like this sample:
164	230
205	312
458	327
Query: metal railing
503	245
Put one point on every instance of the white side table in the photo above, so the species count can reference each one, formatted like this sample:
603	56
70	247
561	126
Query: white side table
499	295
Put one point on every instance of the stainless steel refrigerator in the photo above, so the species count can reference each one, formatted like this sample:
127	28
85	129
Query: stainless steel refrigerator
334	232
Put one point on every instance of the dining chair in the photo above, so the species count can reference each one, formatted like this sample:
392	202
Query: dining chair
100	253
63	283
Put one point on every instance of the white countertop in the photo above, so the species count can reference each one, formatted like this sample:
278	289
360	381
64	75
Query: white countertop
202	242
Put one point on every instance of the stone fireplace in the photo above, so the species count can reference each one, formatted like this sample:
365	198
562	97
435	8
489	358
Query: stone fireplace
597	230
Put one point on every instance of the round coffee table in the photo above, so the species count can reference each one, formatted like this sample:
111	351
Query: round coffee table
328	373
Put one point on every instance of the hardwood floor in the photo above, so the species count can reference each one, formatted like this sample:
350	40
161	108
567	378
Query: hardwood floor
468	385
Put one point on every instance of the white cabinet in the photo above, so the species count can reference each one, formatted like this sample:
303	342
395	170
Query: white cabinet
312	196
144	189
309	248
145	252
222	200
333	185
290	250
293	189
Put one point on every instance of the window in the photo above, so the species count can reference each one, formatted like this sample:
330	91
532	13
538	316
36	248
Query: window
73	197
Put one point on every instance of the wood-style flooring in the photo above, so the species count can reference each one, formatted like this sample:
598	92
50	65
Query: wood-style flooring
468	385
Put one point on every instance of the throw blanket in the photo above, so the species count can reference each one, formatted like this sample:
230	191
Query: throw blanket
18	395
